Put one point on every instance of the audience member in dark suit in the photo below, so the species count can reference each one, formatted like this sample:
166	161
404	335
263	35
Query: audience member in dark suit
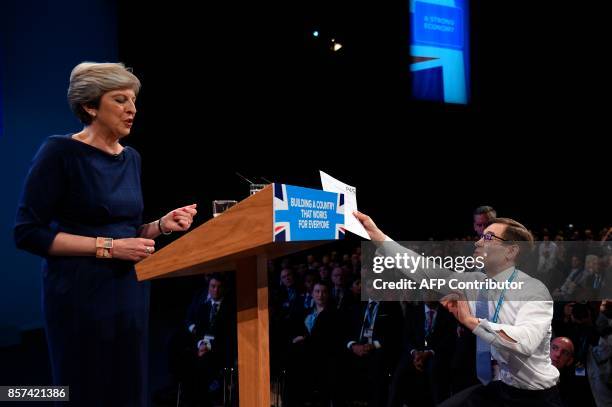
578	328
463	365
287	306
423	373
340	294
312	367
310	279
210	346
355	291
562	357
595	284
372	340
287	299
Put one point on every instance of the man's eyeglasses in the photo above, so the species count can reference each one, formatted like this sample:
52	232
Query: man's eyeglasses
490	236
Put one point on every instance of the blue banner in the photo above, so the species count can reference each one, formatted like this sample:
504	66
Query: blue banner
438	25
440	50
307	214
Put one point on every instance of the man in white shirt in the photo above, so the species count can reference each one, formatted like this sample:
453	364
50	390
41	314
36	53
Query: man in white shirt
513	328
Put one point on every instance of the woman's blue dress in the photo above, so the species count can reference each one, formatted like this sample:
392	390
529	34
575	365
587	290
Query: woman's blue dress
95	311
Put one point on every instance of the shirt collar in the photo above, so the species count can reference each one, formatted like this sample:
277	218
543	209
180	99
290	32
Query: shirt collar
209	298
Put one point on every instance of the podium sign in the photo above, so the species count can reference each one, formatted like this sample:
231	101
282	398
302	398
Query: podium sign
302	214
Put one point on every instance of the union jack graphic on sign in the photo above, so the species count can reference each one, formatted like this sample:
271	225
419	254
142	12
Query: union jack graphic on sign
307	214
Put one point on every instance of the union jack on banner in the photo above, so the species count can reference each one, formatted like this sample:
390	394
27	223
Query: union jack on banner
340	230
287	217
282	230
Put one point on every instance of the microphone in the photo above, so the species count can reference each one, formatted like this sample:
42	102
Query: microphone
251	182
244	178
254	188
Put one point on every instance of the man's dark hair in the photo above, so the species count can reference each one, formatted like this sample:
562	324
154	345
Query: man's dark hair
324	284
289	269
580	311
313	274
484	210
516	232
217	276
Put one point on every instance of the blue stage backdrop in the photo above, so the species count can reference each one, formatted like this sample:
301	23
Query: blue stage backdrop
439	50
41	42
1	80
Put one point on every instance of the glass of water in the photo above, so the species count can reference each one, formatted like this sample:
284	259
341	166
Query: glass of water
255	188
220	206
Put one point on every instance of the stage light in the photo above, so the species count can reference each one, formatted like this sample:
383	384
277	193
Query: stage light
335	46
315	33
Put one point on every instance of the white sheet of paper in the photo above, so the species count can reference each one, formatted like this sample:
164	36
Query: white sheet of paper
351	223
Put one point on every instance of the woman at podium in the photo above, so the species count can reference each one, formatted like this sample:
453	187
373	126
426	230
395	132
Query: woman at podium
81	211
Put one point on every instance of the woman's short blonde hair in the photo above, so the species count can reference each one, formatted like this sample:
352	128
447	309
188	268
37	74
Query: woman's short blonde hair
90	80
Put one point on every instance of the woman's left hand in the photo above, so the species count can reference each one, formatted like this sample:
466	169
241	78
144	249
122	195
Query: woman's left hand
180	219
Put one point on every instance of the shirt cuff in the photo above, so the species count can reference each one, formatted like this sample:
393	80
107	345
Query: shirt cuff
484	331
494	326
377	344
200	342
191	328
351	343
508	330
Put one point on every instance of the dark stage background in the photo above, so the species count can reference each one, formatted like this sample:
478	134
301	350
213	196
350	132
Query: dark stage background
244	86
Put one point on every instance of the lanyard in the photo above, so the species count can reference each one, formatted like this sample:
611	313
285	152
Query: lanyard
371	314
501	298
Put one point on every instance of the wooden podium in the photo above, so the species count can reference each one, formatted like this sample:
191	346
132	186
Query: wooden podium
240	239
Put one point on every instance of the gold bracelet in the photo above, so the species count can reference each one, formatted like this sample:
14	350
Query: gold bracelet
104	247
